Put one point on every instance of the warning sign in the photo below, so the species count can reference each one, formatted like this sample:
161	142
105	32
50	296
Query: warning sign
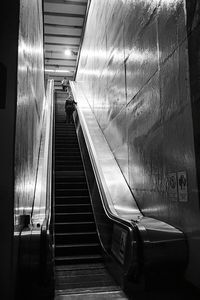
172	186
182	186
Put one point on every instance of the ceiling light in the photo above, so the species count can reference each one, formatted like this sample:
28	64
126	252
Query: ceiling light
56	71
68	52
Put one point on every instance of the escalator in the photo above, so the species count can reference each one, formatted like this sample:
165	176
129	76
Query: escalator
79	268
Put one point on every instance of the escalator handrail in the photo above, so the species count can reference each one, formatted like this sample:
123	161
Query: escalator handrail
41	210
50	91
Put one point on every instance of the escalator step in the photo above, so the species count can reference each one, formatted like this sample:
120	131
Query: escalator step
67	157
66	149
76	208
72	200
67	142
69	227
76	237
74	192
69	162
73	217
65	146
69	168
63	260
66	138
73	185
64	179
77	249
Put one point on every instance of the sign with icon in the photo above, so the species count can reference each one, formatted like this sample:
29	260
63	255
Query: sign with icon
172	186
182	186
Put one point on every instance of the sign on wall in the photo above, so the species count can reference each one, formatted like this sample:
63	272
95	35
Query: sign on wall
182	187
172	186
177	186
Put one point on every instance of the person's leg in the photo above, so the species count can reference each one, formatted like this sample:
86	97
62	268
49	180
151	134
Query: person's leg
68	116
71	119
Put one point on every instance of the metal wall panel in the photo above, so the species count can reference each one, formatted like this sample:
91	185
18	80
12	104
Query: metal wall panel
134	71
30	101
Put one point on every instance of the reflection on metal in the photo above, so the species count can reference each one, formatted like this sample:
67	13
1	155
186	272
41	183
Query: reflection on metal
43	184
131	230
134	73
30	99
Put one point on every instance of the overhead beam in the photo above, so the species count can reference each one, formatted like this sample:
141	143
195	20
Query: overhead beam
60	59
62	25
68	15
62	44
71	68
59	77
82	3
59	54
62	35
66	64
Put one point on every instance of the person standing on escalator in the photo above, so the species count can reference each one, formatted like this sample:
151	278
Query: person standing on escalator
65	84
70	107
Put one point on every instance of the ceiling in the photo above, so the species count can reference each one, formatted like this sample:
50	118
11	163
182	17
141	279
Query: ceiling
63	30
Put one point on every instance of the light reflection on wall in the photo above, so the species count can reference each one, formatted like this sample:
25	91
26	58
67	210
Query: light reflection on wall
168	3
138	55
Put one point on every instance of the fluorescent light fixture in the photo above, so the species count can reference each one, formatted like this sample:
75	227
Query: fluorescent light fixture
57	71
68	52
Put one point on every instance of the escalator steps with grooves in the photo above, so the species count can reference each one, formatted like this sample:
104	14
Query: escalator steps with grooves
79	267
76	239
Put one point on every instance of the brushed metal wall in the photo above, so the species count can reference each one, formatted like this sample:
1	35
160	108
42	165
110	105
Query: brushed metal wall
134	71
30	99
